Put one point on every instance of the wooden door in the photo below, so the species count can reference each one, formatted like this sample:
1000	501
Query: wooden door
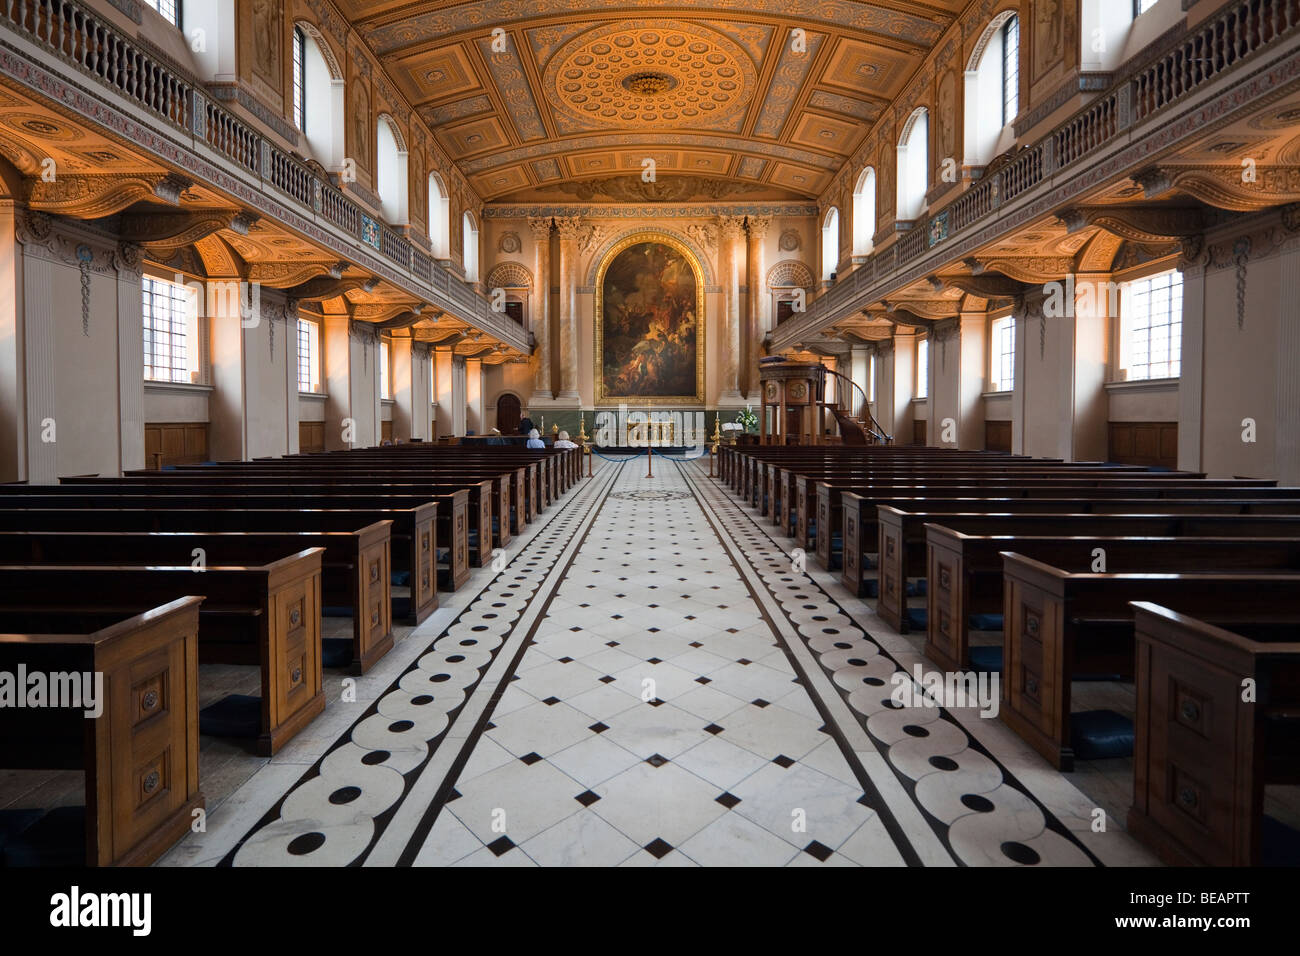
508	414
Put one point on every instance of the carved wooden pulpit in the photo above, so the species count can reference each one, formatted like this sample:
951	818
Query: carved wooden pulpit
793	413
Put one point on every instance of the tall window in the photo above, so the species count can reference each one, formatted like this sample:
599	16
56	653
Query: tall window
470	238
1002	357
300	78
439	220
1011	70
171	346
871	379
864	212
385	377
308	356
830	243
914	165
169	10
1151	329
923	368
391	175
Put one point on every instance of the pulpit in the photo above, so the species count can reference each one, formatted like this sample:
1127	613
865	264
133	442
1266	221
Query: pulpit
793	392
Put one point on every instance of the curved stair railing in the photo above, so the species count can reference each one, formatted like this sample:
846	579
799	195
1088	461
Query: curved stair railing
872	427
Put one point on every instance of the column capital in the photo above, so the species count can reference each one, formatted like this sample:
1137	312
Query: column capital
731	226
540	228
569	227
758	226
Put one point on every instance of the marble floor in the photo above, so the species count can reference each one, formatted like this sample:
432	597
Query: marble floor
652	679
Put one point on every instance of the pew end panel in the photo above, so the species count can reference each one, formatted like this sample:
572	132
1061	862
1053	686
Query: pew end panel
1035	697
293	692
373	603
141	754
1202	753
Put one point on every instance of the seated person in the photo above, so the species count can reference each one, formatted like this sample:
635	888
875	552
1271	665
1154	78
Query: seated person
535	440
525	426
562	441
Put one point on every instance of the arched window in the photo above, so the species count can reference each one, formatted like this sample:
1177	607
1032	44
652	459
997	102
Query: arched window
391	173
439	218
914	165
318	96
864	212
830	243
471	248
993	90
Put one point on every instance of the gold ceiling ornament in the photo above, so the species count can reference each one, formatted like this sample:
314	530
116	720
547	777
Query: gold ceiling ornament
664	73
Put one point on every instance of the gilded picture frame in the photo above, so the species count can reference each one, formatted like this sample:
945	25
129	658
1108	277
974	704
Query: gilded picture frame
604	394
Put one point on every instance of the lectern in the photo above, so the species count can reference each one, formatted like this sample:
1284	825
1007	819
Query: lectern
794	392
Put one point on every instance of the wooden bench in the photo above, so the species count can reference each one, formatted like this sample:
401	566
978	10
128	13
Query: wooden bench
1059	623
355	568
140	756
418	525
1202	754
867	520
965	579
269	615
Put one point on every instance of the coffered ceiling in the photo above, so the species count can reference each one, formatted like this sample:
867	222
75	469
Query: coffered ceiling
567	99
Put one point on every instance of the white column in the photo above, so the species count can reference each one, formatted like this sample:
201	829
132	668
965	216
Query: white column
730	231
540	311
474	420
443	379
1288	361
570	229
755	301
130	359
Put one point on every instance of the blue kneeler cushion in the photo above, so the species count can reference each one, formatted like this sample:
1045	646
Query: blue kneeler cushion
987	657
236	715
1101	734
57	838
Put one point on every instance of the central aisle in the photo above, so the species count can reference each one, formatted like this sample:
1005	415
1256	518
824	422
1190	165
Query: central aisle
651	678
655	718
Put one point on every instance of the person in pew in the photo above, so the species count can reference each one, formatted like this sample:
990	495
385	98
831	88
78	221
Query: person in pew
534	439
562	441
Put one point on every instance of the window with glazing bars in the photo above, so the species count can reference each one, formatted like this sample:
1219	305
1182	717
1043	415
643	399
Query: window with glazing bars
166	342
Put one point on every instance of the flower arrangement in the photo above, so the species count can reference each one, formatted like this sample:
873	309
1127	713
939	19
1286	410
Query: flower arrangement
748	419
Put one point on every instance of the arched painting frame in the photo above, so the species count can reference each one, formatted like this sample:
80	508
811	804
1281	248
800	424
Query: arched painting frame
671	372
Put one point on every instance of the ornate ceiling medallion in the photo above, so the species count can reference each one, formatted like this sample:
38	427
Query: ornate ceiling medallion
648	84
632	73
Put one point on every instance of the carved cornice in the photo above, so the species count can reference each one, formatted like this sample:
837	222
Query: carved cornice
1136	223
162	233
989	284
92	195
1239	190
326	287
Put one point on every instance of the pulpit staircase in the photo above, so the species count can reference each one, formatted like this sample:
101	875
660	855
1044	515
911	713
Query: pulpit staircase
853	429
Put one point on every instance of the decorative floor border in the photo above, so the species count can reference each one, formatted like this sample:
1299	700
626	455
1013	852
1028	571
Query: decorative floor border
976	809
401	750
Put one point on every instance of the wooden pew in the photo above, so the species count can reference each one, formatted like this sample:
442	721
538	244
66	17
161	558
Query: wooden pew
1059	623
417	522
894	562
355	568
478	511
141	755
966	569
509	488
411	550
1202	754
268	615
